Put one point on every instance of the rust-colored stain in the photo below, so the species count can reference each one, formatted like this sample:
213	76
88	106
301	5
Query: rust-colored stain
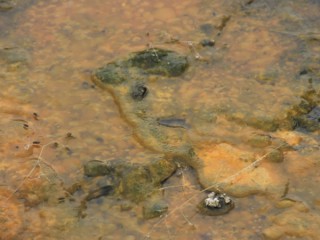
259	77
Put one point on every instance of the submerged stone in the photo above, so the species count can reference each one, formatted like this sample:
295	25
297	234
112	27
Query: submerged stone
139	91
152	61
259	141
207	43
154	208
160	62
111	73
136	183
263	122
140	181
310	121
96	168
160	170
133	181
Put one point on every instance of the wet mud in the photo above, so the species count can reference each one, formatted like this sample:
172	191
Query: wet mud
119	118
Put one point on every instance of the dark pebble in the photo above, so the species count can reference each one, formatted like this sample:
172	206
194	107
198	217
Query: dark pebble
303	72
139	92
99	139
207	43
86	85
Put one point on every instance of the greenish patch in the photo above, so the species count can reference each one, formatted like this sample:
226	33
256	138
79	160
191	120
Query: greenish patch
13	55
259	141
268	77
303	107
154	208
160	62
133	181
148	62
306	114
160	170
275	155
96	168
266	123
207	28
112	73
136	183
310	121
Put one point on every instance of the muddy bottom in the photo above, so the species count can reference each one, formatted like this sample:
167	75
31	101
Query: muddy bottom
239	116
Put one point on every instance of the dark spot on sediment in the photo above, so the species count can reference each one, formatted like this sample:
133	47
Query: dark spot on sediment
207	43
139	92
173	122
207	28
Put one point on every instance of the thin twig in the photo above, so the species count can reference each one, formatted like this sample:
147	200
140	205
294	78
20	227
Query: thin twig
39	161
247	168
168	230
185	218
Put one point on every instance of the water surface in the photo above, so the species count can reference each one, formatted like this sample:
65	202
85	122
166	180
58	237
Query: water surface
54	118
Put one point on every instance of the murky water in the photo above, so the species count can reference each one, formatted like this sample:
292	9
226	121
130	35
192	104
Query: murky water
261	78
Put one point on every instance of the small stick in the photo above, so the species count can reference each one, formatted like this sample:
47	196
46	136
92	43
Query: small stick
251	166
39	160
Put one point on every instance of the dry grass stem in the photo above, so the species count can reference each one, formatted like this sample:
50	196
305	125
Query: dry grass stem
251	166
43	166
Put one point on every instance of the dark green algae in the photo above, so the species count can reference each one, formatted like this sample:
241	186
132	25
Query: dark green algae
133	181
153	61
121	77
136	72
125	79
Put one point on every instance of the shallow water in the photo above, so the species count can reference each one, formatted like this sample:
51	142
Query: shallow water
54	118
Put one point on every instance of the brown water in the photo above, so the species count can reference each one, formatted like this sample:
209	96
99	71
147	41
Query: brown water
48	50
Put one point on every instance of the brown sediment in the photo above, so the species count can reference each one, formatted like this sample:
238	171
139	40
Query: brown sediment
222	161
10	215
252	82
